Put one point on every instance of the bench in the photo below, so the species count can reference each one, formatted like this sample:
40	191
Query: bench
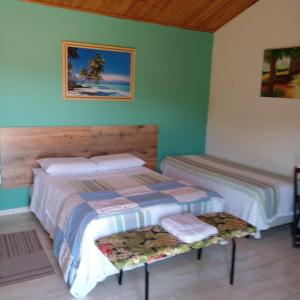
127	250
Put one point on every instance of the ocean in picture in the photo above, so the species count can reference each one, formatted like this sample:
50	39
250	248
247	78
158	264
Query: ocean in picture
110	89
97	72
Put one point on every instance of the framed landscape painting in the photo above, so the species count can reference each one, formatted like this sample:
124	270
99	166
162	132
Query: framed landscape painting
98	72
281	73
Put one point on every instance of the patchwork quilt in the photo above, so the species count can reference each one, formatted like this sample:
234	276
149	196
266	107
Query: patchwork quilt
79	210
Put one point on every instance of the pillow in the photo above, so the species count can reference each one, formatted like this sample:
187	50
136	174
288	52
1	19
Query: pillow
63	165
117	161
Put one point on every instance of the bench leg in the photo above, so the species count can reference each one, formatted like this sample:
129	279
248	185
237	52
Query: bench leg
232	262
120	278
146	282
199	253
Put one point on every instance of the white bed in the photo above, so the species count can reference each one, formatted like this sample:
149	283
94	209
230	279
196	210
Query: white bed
259	197
51	191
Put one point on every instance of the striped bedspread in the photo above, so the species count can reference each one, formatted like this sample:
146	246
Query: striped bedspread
100	201
113	182
262	186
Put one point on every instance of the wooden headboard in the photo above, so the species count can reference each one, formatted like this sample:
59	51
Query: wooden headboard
21	147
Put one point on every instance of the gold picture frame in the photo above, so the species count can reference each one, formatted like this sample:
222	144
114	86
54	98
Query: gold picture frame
98	72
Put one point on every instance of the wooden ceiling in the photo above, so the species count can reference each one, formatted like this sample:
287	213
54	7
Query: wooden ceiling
202	15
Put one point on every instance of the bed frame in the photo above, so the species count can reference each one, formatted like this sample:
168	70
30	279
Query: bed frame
21	147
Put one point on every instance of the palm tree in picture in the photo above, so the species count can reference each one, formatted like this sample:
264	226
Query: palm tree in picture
94	69
83	74
73	53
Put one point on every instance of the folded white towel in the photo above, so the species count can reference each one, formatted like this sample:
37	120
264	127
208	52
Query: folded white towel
188	228
182	222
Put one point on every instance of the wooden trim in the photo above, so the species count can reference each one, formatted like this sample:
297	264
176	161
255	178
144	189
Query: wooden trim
21	147
67	44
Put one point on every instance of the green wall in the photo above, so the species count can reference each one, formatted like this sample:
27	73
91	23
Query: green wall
172	77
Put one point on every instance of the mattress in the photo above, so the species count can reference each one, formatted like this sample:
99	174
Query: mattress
51	191
261	198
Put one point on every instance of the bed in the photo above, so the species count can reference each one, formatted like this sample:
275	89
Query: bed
54	195
261	198
51	192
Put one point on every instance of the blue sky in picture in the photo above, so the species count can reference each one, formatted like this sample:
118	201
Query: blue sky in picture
116	68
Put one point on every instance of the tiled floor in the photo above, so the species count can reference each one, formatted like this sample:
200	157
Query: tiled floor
268	268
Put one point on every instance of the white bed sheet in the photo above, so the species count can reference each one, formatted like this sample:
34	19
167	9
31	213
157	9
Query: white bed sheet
238	203
50	192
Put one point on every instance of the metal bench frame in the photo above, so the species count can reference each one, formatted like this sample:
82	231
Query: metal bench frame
199	254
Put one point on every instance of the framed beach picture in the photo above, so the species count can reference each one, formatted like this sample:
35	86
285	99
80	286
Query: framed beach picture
98	72
281	73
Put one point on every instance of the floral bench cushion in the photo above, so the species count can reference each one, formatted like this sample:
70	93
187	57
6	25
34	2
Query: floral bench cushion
229	227
148	244
140	246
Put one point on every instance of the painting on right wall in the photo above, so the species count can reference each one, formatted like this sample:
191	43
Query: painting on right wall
281	73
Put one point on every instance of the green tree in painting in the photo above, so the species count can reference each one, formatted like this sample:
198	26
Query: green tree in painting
84	73
272	56
73	53
295	61
94	69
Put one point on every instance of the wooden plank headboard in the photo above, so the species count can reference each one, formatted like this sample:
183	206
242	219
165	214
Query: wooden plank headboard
21	147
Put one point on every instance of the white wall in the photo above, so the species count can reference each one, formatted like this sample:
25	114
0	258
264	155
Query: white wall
242	126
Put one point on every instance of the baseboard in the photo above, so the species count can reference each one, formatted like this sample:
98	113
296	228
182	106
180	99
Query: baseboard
14	211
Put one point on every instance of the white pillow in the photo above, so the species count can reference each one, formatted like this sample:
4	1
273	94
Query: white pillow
117	161
66	165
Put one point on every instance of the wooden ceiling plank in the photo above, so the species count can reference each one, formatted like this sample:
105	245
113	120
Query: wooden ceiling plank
163	4
118	7
207	13
146	10
195	12
227	13
190	9
170	10
202	15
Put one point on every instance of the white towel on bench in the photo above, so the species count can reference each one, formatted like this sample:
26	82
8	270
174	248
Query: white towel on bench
188	228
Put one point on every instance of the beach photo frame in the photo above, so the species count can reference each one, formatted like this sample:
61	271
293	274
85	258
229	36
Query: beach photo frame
98	72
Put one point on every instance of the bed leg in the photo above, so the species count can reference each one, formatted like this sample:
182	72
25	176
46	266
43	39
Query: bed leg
120	278
146	282
199	254
232	262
